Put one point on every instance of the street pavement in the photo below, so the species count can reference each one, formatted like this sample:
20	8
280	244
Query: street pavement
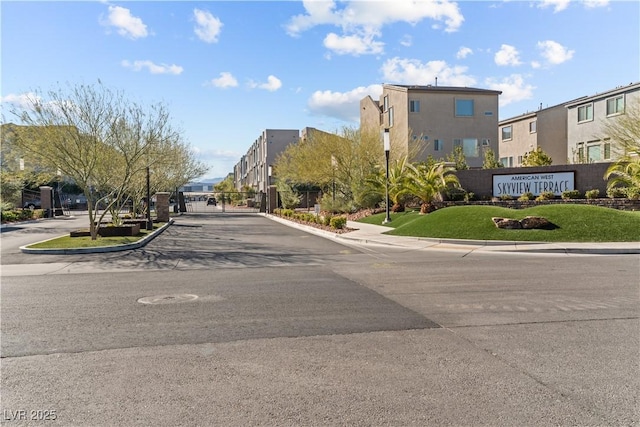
236	320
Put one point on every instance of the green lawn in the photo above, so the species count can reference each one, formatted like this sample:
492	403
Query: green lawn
66	242
575	223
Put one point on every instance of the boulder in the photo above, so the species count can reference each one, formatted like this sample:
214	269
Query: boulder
507	223
530	222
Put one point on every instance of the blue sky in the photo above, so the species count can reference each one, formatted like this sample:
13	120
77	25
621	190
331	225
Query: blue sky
228	70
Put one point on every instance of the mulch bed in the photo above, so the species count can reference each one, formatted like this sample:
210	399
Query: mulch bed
350	217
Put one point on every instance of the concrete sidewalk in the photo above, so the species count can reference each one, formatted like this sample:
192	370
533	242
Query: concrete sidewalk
373	234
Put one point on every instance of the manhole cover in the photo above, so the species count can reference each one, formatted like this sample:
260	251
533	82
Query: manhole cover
167	299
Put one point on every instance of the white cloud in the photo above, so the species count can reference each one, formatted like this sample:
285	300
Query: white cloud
463	52
507	55
208	27
412	71
554	53
558	5
341	105
225	80
513	89
355	45
591	4
152	67
127	25
406	40
21	101
362	21
273	83
374	15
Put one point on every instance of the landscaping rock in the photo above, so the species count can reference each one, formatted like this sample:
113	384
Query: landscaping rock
528	223
531	222
507	223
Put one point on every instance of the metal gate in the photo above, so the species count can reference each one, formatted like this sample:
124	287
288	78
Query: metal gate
227	202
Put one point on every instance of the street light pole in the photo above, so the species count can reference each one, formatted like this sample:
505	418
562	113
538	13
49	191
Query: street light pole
387	148
149	222
334	163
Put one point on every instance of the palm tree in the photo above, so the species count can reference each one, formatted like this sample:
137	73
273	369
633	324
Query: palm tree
398	178
427	182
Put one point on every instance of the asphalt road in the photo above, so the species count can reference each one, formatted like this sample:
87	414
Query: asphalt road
235	320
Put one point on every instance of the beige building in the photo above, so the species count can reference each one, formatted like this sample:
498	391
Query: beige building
545	129
432	120
254	169
586	121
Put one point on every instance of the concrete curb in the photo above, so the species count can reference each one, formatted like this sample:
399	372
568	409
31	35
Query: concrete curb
490	246
100	249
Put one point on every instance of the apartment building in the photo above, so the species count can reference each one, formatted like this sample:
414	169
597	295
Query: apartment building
545	129
253	169
587	119
571	132
432	120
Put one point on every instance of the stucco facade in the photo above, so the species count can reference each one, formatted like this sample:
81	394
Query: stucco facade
586	121
545	129
428	121
253	168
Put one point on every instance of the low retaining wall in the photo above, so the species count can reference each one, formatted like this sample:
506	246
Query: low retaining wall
621	204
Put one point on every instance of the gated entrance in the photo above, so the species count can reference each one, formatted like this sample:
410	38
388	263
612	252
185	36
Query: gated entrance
227	202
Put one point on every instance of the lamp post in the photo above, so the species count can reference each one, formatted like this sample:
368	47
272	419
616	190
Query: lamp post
149	222
334	163
269	172
387	148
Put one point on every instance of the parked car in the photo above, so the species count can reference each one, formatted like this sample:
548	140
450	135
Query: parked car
212	201
33	204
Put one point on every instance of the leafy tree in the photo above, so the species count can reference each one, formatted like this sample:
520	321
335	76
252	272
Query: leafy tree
326	160
458	158
624	133
428	182
490	160
536	157
96	137
288	196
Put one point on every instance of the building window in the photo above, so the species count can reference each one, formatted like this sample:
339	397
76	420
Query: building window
464	107
414	106
594	153
533	126
585	113
607	149
507	162
470	146
580	152
520	160
385	103
506	133
390	116
486	142
437	145
615	105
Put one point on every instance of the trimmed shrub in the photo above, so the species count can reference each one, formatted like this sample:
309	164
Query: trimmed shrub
338	222
506	197
526	196
617	193
570	194
546	195
592	194
633	193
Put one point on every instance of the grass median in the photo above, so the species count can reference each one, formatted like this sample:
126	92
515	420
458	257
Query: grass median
66	242
573	223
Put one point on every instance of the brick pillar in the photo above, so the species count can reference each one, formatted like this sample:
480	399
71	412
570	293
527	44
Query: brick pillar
162	207
46	200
